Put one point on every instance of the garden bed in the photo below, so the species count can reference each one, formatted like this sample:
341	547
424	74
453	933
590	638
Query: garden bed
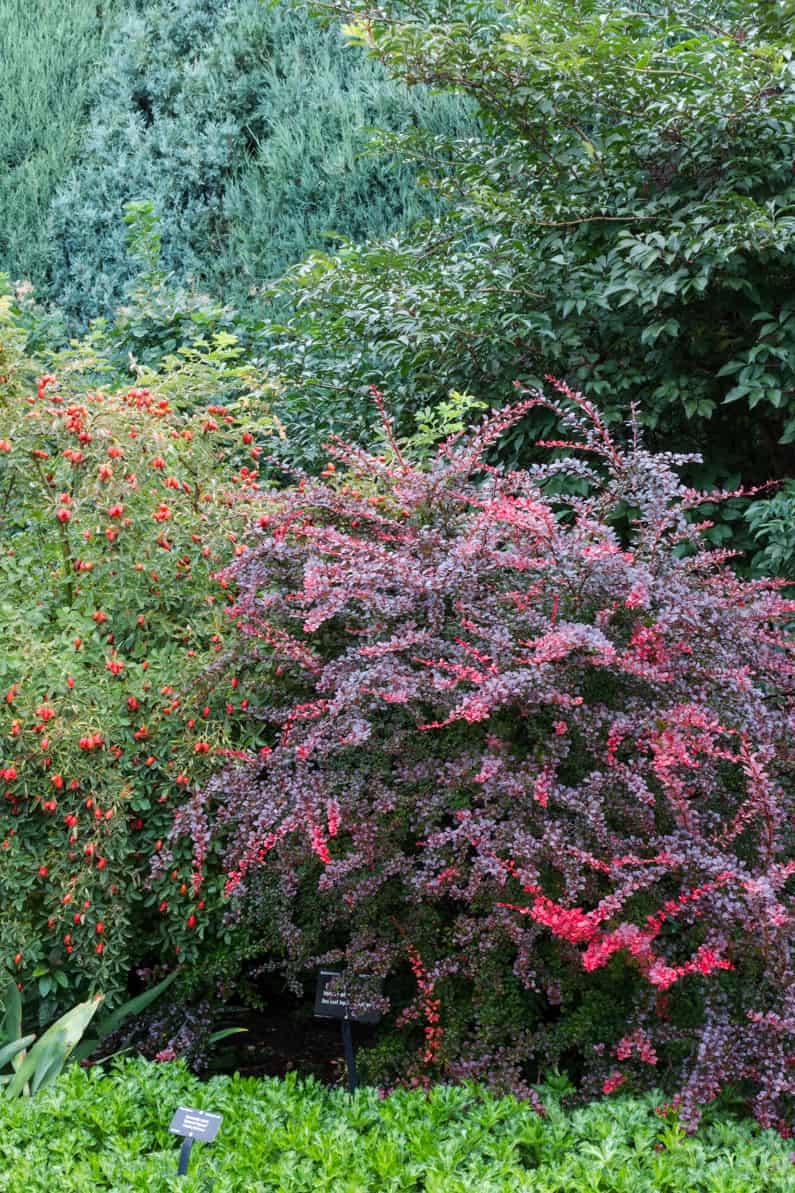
95	1131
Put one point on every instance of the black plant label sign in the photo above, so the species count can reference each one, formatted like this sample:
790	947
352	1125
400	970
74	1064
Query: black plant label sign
334	1003
195	1124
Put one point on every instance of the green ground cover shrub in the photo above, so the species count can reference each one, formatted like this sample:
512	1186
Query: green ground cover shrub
94	1132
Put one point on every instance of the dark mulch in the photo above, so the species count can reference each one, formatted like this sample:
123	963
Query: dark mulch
278	1042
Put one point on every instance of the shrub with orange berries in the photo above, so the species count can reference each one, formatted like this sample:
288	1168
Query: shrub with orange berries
115	707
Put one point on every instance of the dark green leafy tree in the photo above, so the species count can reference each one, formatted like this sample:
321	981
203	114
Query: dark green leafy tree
625	219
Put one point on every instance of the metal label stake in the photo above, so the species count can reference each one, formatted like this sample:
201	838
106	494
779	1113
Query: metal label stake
350	1058
184	1156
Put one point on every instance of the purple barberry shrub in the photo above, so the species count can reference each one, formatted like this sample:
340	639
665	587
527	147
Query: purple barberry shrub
532	739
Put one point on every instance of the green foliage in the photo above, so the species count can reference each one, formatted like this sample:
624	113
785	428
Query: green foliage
295	1136
108	1024
37	1068
773	525
161	318
65	1039
48	57
624	219
144	240
247	128
437	423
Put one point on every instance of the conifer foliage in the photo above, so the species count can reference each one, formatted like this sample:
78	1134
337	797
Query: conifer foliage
48	57
527	750
247	127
